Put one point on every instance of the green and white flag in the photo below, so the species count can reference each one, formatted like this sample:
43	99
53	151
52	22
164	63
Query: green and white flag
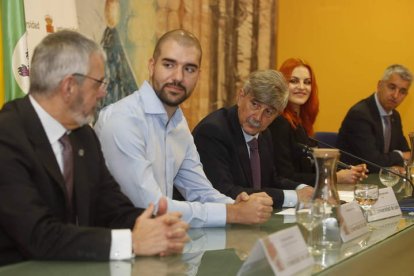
15	52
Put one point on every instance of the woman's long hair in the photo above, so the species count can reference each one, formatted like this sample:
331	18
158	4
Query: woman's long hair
309	110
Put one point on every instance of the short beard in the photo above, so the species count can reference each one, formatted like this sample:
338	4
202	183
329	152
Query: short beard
162	95
78	115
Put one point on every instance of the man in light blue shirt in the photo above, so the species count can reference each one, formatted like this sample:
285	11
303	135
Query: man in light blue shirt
149	147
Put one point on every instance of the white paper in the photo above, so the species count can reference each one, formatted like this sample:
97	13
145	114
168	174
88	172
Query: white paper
346	196
285	251
386	206
289	211
353	221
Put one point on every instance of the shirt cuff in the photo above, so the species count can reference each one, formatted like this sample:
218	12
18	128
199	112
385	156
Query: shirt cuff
301	186
400	153
216	214
291	198
121	245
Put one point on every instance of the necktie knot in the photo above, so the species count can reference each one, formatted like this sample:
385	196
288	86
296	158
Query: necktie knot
253	145
64	140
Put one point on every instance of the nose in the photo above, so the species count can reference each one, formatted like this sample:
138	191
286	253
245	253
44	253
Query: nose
395	93
301	85
102	92
178	74
258	114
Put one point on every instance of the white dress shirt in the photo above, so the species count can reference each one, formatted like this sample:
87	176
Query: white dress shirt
121	242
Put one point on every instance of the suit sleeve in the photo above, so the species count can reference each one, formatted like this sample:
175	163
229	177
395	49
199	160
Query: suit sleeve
216	157
31	209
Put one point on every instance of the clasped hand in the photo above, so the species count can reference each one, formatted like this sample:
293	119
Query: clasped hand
250	209
163	235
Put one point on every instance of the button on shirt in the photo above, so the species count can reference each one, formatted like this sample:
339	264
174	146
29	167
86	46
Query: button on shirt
148	154
121	242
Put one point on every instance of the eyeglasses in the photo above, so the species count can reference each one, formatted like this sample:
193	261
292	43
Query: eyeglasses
103	83
255	105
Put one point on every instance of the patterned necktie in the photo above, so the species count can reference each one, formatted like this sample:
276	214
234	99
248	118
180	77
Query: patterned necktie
255	163
67	166
387	133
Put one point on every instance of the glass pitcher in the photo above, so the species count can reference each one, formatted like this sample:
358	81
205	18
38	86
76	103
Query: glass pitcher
326	198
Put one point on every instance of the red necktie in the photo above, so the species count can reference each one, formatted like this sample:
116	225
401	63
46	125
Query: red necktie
255	163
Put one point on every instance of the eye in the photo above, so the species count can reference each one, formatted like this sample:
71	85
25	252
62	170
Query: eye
307	82
191	69
403	91
168	64
255	104
270	112
294	81
391	86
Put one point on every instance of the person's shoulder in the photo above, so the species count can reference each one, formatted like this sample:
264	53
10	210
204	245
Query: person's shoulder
216	119
281	120
280	124
362	105
120	113
11	115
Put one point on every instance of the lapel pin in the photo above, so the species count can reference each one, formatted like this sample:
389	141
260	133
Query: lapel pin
81	152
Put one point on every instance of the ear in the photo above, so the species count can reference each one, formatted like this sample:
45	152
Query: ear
379	84
240	95
67	87
151	65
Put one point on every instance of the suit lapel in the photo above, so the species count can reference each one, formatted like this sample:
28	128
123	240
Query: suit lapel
41	145
240	142
377	120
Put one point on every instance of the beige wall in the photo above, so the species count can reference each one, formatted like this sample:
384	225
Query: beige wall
349	43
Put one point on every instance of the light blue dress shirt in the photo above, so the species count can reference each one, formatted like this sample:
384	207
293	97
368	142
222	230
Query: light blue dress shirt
148	154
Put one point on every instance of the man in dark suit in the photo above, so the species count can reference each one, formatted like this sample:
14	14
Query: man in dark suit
223	137
364	129
66	206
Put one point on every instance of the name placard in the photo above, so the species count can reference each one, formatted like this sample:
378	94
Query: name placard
285	251
353	221
386	206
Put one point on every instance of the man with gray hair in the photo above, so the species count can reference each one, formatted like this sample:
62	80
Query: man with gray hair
372	128
58	200
235	146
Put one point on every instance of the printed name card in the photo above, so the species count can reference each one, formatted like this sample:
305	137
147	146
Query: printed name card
386	206
285	251
353	221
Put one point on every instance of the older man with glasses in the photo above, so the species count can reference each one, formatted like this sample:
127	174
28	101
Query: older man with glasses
235	146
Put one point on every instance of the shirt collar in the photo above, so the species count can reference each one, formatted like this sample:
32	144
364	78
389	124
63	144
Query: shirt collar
153	104
54	130
248	137
381	110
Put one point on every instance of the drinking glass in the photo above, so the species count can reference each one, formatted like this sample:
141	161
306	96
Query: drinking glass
308	215
366	195
388	178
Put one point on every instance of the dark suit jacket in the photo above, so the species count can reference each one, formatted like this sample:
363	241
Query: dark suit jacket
34	220
289	158
361	134
225	158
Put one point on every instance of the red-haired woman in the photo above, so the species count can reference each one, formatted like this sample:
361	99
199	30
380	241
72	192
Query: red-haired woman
295	125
